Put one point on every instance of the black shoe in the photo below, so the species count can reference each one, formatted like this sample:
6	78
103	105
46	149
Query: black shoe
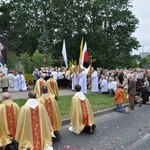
140	104
56	98
91	130
131	107
94	128
57	134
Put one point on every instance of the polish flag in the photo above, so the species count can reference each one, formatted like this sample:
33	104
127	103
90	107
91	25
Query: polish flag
84	53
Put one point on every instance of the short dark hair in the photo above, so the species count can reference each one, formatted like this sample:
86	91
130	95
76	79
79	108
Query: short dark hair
32	94
77	88
44	89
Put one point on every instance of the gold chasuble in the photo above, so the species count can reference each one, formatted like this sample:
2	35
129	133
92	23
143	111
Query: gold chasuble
34	130
37	89
49	102
52	86
80	113
9	112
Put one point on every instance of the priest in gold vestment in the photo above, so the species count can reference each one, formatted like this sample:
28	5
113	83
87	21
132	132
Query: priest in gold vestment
52	86
34	130
9	112
51	106
81	115
39	83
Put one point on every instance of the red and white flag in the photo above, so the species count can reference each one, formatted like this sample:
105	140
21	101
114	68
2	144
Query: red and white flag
84	54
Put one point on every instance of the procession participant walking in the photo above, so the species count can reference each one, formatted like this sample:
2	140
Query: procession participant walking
51	106
52	86
39	83
9	112
34	129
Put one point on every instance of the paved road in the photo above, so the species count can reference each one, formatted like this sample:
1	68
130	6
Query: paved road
23	94
115	131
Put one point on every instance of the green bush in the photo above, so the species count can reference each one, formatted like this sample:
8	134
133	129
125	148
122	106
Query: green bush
29	79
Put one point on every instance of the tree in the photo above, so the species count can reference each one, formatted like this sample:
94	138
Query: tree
13	59
107	26
26	62
44	42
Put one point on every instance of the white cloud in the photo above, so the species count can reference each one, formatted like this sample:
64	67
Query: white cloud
141	11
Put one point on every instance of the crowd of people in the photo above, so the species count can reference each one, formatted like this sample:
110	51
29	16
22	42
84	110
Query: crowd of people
16	81
37	124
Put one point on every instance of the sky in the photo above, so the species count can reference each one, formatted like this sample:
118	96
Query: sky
141	9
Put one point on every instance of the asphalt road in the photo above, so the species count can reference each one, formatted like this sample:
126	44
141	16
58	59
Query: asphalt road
23	94
115	131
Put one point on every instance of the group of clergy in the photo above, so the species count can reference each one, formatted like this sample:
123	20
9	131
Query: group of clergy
65	77
36	125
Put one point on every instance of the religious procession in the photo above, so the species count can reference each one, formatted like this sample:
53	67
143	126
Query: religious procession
37	124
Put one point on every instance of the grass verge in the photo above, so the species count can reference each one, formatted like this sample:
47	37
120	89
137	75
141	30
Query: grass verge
98	102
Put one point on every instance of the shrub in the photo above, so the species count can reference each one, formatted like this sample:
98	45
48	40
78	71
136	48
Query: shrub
29	79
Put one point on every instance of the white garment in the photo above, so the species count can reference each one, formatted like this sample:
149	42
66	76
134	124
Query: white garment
22	83
32	103
104	86
80	95
94	82
48	148
83	81
67	75
113	85
11	80
16	82
60	75
55	74
75	80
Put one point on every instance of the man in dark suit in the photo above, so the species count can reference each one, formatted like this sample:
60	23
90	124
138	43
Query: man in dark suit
132	91
4	82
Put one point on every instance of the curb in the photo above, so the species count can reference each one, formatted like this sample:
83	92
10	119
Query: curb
96	114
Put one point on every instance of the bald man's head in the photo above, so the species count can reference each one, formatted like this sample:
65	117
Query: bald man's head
6	96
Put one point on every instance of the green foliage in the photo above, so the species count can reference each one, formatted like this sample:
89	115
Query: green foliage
29	79
44	42
26	62
107	26
12	60
37	59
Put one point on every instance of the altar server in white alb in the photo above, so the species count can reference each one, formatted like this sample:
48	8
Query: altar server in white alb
94	81
83	80
75	79
16	81
22	82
